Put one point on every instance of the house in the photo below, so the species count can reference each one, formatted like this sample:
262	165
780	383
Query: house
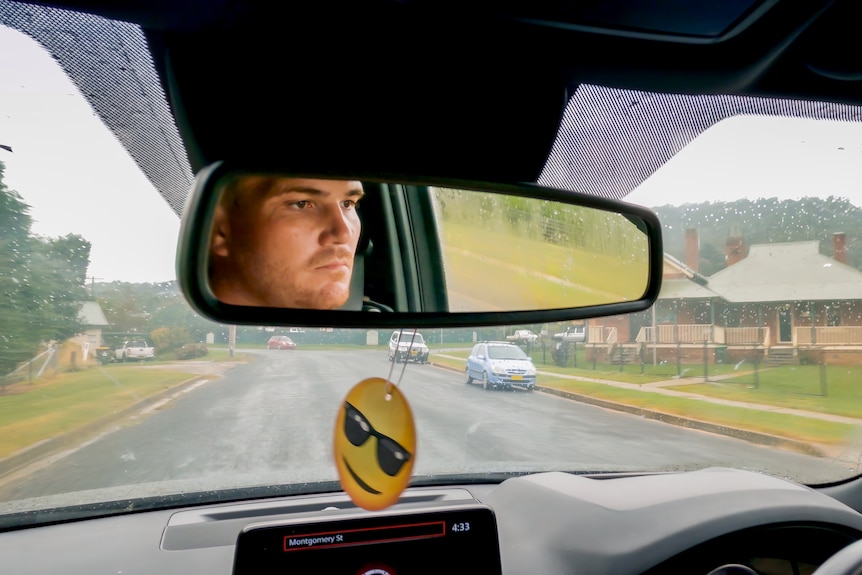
778	300
94	321
679	283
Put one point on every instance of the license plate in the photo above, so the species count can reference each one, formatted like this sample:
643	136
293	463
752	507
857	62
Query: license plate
517	377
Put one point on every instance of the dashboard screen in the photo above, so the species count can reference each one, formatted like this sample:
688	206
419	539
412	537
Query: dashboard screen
446	541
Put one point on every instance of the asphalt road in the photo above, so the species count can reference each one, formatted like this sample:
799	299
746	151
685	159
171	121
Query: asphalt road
273	418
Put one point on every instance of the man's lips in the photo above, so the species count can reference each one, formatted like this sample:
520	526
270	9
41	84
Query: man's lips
336	265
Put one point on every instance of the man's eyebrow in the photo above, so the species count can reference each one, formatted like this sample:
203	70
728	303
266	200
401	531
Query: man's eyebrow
355	192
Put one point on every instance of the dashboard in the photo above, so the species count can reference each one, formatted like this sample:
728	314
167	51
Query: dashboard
692	522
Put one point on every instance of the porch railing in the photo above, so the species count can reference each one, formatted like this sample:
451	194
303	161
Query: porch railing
831	335
698	333
692	333
602	334
747	336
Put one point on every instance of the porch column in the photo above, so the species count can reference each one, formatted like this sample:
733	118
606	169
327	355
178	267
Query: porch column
811	319
712	318
654	335
760	320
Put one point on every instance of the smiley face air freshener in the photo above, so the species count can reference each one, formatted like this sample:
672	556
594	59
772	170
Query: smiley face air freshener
374	443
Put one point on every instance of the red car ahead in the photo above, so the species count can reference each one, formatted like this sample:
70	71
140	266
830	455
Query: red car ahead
280	342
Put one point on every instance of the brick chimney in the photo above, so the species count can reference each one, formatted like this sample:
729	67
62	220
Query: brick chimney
734	250
692	249
839	247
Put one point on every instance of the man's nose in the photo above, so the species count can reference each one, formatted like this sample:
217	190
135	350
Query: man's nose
339	226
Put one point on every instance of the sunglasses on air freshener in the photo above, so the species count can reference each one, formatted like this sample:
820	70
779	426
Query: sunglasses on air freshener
390	455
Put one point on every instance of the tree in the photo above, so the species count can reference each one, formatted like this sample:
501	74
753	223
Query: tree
41	283
146	307
762	221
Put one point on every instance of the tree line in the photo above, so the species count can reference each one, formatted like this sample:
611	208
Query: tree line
761	221
566	225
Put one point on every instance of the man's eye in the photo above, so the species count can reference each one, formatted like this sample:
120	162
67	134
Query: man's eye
300	204
349	203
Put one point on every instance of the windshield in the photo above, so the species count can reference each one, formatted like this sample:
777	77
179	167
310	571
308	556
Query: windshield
505	352
754	346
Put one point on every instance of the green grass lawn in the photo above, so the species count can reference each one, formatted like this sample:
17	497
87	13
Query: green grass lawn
565	262
503	288
797	386
487	262
783	425
213	354
33	412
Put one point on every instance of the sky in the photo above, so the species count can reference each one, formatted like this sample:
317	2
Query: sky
59	143
761	157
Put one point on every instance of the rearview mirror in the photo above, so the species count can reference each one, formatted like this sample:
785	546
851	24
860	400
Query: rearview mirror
264	247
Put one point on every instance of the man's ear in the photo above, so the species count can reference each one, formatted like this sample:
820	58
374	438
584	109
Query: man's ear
221	233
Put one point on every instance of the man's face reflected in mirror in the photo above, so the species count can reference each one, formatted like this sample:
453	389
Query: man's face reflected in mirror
285	242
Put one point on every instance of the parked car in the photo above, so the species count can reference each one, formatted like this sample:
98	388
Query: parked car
499	364
135	350
523	336
742	119
406	346
280	342
574	333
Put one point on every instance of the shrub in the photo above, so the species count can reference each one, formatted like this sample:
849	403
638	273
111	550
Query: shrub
167	339
192	350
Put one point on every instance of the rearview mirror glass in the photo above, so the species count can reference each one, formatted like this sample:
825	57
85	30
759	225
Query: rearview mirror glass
503	252
270	248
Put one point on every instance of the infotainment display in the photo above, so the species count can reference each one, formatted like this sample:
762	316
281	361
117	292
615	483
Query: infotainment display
452	541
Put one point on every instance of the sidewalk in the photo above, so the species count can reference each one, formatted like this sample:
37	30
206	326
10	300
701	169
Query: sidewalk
661	388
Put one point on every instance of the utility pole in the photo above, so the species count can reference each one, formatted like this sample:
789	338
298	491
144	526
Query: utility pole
231	340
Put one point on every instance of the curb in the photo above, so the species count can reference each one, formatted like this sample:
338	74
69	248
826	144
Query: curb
750	436
75	437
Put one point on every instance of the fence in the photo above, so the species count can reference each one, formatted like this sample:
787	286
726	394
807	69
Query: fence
32	369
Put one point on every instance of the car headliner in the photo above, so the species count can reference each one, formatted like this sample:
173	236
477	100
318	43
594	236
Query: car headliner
475	90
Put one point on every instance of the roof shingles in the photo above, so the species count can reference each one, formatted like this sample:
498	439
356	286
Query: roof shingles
792	271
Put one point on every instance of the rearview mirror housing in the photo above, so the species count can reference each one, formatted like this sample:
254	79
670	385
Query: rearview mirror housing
261	246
